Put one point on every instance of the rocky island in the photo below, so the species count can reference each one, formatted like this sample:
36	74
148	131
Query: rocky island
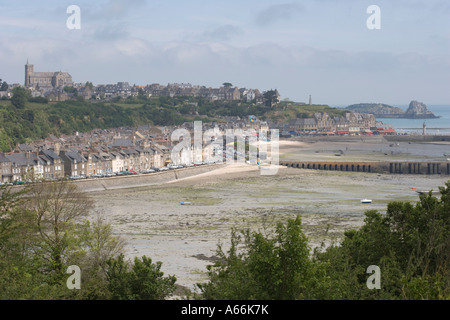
416	110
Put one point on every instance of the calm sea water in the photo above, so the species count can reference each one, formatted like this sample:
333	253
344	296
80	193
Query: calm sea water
434	126
439	126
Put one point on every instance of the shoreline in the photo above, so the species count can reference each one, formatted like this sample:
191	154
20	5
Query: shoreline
184	237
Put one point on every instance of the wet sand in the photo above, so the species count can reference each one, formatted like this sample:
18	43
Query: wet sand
184	237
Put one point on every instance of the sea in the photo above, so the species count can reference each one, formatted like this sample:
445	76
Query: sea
438	126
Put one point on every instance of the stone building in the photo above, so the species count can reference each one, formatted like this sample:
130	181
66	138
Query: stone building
46	80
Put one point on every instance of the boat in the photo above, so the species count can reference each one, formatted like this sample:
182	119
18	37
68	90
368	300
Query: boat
185	203
366	201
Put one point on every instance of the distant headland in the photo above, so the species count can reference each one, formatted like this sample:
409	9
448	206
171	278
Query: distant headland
416	110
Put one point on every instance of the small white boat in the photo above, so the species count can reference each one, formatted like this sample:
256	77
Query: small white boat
366	201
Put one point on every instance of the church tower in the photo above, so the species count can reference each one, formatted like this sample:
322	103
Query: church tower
29	70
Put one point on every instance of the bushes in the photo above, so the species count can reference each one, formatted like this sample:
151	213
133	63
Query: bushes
260	267
142	280
410	244
42	233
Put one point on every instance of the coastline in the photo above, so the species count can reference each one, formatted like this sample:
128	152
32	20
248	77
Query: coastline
185	237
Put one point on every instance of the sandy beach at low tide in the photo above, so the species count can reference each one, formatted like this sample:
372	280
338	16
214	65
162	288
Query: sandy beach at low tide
184	237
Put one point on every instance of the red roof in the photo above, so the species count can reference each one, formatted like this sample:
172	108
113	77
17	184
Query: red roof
387	131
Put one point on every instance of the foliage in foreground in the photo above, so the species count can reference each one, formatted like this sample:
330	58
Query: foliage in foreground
410	244
44	229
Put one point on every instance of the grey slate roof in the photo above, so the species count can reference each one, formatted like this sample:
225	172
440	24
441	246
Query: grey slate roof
51	155
3	158
21	159
75	156
121	143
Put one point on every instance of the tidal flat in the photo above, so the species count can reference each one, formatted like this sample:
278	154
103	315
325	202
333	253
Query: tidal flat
184	238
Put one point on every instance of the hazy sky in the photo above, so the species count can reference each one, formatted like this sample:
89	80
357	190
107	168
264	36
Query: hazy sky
317	47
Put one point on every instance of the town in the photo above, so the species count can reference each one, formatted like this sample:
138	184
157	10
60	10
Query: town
147	148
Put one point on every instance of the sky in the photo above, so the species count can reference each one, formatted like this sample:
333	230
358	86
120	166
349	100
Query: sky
321	48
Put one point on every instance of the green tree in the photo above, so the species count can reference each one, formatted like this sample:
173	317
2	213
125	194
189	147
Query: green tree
41	234
411	245
70	89
56	207
270	98
268	267
141	280
20	97
3	85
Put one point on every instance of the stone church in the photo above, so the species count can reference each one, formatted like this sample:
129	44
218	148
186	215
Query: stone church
46	80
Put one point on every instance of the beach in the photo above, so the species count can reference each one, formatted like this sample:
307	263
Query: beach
153	222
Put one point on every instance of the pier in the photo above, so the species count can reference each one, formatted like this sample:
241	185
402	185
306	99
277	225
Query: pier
394	167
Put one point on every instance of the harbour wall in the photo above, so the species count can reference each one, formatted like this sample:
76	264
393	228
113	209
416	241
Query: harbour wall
395	167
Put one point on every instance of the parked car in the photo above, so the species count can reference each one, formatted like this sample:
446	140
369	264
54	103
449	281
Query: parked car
76	177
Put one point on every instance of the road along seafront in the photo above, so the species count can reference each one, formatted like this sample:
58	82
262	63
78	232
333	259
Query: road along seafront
142	180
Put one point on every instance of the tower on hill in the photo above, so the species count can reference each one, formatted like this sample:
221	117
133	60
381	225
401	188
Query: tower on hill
46	80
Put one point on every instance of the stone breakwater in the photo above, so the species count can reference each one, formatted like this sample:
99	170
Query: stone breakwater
405	167
142	180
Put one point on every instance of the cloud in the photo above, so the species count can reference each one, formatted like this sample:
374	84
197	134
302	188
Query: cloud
113	9
276	13
119	8
111	20
111	32
223	33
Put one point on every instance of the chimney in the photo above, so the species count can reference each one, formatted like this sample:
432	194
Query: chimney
57	148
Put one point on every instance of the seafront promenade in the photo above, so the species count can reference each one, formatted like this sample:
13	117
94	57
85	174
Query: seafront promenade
142	180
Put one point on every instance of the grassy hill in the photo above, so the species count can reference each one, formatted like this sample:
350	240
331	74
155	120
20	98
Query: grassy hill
38	120
287	111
